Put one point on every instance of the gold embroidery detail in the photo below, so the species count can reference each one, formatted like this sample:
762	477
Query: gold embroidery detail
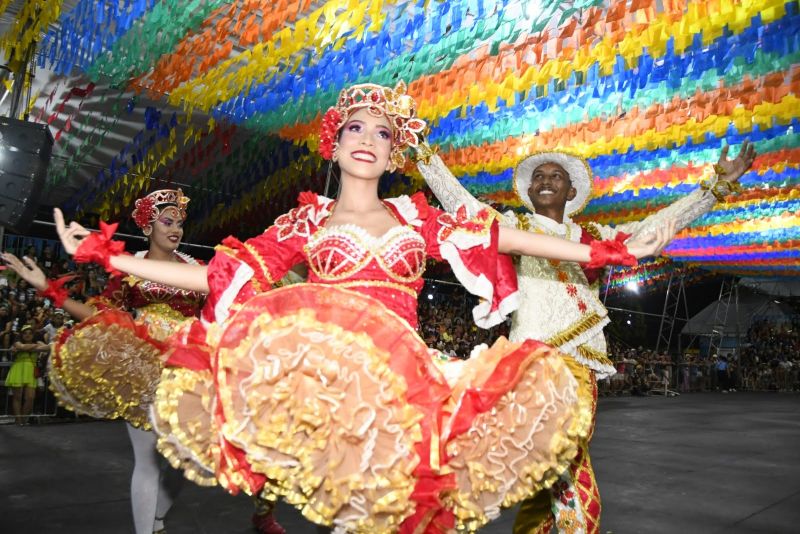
594	355
256	285
424	153
588	322
719	187
566	426
264	269
163	312
454	224
322	275
542	269
106	371
369	254
226	250
279	430
523	223
187	444
592	230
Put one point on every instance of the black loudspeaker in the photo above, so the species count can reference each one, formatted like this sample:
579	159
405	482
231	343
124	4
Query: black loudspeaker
25	149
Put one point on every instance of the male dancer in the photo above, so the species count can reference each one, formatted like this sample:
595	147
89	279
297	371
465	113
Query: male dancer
559	301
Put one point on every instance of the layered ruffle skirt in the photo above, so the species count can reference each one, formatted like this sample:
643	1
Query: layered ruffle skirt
108	366
323	397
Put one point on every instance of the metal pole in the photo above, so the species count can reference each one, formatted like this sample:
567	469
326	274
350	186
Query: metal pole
664	315
608	284
736	350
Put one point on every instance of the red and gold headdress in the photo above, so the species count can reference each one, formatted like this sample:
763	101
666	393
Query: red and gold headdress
149	208
399	108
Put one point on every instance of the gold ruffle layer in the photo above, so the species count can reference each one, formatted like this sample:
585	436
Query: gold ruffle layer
107	370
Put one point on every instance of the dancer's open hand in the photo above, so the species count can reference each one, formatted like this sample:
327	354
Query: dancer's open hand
27	269
71	235
731	170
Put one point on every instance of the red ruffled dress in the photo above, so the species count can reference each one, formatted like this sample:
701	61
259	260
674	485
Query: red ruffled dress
323	394
109	364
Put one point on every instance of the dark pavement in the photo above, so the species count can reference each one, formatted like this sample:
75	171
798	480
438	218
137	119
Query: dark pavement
701	463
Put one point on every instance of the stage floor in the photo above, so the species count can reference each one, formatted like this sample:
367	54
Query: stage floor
700	463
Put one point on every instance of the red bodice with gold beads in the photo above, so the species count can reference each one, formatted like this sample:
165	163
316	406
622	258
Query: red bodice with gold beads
131	293
388	268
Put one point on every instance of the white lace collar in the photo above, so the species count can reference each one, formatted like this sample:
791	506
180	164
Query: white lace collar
322	209
567	229
406	208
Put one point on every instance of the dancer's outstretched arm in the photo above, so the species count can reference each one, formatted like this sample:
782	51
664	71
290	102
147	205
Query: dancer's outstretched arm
513	241
180	275
452	194
684	211
170	273
29	271
446	187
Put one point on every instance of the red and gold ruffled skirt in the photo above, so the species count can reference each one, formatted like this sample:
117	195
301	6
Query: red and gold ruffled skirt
326	399
109	365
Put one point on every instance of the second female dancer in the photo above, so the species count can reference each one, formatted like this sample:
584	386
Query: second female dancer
109	365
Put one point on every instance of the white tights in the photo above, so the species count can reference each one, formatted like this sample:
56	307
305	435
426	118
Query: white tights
153	484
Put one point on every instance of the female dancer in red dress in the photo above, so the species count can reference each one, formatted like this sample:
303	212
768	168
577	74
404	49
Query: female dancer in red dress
109	365
322	393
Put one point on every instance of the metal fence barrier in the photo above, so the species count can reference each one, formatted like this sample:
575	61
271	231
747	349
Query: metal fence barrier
692	377
44	404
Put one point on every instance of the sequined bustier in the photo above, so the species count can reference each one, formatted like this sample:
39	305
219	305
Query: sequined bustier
134	294
389	267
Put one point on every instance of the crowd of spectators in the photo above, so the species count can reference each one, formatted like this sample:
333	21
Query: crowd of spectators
27	319
768	360
446	324
770	357
640	372
23	308
21	305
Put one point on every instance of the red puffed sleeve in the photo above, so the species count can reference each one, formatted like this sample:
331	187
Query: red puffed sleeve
469	245
240	270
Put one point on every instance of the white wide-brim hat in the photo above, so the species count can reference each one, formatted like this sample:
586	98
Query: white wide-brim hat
580	174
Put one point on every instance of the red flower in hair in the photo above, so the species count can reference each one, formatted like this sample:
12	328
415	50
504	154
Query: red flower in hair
331	122
143	213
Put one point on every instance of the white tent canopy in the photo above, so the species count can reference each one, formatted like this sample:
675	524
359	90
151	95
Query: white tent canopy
779	287
751	307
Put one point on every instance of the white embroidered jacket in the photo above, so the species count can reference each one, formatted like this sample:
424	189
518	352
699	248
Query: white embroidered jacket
558	305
